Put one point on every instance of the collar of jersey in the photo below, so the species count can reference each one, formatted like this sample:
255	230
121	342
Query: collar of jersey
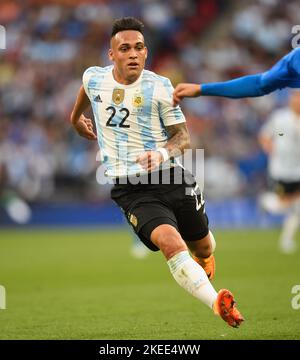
123	85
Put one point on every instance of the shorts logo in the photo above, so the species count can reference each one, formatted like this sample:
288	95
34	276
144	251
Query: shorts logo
118	96
196	192
133	220
138	100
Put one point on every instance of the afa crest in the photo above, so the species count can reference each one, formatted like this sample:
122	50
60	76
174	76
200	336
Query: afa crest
138	100
118	96
133	220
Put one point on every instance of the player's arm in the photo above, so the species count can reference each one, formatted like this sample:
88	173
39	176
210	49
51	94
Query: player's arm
81	124
173	122
245	86
266	143
267	132
179	140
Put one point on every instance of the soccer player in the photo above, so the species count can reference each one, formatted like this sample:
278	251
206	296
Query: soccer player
285	73
280	139
139	132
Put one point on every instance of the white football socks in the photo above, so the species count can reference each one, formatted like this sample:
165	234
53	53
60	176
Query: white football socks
192	277
212	241
289	227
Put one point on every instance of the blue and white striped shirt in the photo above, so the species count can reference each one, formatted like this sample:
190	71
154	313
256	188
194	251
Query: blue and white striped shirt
130	119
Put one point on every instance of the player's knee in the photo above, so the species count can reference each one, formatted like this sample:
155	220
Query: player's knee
168	240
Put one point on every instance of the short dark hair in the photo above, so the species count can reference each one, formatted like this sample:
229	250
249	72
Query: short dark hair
127	23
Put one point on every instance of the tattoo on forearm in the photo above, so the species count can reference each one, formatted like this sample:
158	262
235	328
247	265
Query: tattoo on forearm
179	139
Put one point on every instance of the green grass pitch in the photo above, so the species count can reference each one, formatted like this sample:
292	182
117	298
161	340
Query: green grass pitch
83	284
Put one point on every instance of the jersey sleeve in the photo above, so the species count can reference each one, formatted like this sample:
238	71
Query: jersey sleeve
86	78
278	77
245	86
274	78
284	73
294	61
169	114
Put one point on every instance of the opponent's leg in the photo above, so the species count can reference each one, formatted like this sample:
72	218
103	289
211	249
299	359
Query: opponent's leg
289	227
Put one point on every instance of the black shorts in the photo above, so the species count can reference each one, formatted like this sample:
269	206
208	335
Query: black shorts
147	206
286	188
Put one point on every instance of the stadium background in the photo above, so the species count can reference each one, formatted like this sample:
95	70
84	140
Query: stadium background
49	44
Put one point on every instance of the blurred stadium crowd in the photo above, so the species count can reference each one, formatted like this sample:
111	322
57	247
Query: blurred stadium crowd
49	45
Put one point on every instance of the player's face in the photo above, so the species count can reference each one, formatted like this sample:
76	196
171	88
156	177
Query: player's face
295	101
128	52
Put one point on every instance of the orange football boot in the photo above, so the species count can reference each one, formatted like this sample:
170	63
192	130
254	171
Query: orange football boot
208	264
225	306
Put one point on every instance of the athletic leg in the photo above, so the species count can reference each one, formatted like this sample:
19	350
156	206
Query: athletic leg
183	267
202	251
191	276
289	227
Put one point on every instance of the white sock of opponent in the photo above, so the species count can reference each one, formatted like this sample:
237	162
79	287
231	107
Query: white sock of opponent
289	228
192	277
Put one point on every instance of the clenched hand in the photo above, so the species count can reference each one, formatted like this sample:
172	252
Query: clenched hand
150	160
84	127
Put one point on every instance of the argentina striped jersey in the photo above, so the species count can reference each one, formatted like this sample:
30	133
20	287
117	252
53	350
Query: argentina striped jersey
130	119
